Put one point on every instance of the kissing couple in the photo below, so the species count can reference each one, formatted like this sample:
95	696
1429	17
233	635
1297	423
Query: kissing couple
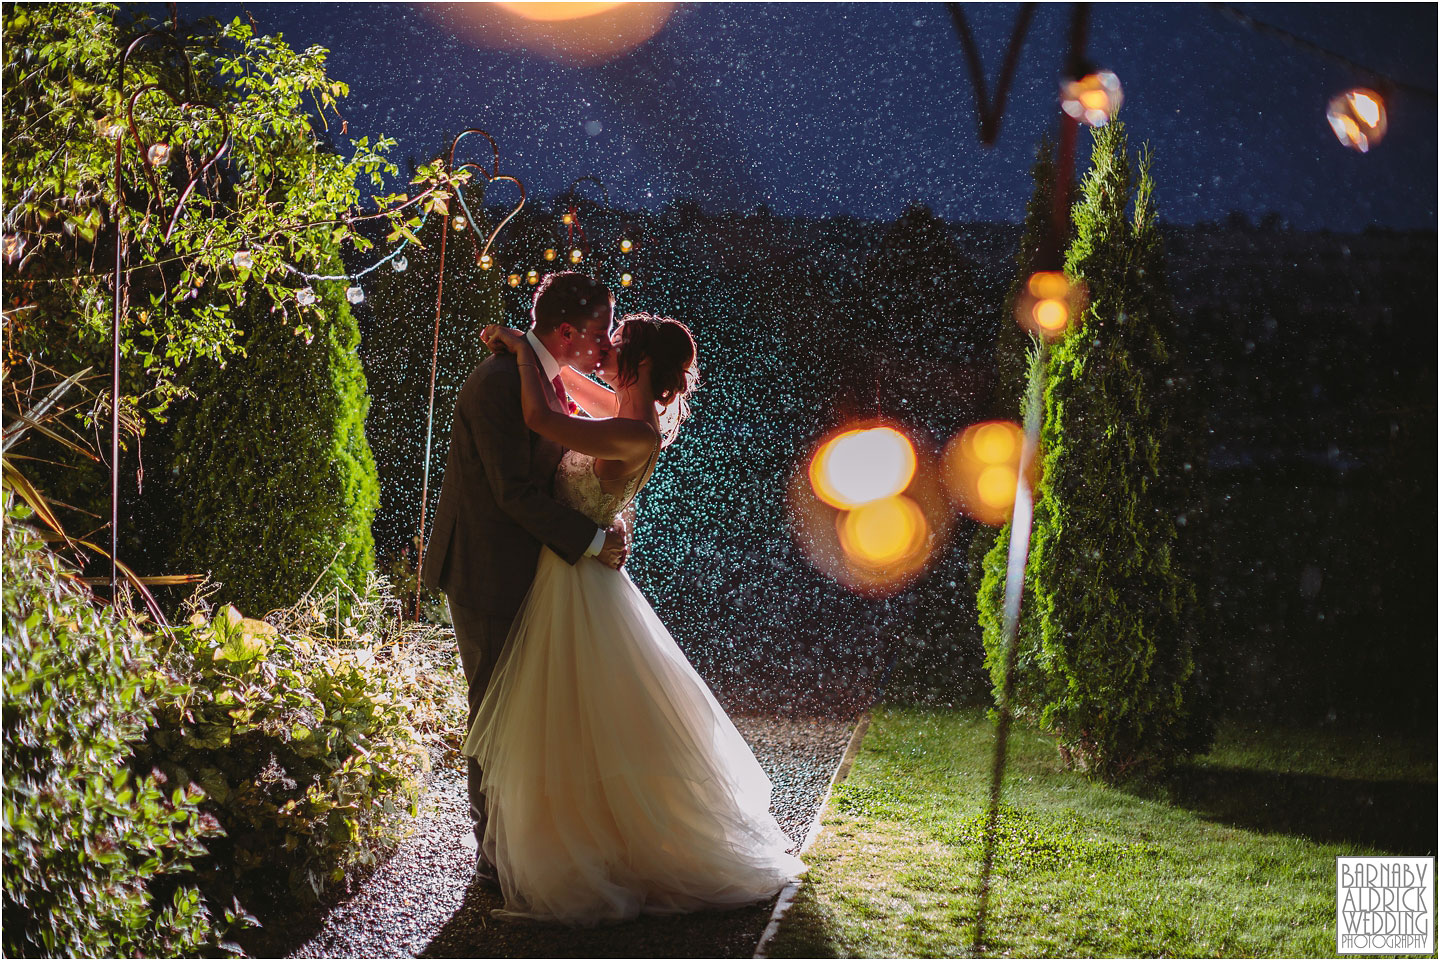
605	780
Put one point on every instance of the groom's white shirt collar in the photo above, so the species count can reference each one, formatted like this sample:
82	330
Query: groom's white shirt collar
547	362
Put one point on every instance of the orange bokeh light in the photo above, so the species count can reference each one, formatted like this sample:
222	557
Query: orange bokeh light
1094	99
982	468
547	12
1358	118
1049	303
856	467
884	533
575	34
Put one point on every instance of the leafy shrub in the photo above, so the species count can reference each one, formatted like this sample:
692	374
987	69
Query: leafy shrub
303	742
86	837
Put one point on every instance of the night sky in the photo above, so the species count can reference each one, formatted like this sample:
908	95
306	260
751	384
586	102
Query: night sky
819	109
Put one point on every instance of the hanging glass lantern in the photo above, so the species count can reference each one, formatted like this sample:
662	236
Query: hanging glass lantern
243	259
626	280
305	297
576	255
354	294
458	223
399	264
1358	118
1093	99
486	262
159	154
513	280
532	277
626	245
550	253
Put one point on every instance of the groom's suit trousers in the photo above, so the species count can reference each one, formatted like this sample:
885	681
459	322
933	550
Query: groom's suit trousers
480	638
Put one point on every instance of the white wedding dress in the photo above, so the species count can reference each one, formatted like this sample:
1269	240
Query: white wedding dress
614	782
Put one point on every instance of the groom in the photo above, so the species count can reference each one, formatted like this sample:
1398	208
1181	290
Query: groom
496	508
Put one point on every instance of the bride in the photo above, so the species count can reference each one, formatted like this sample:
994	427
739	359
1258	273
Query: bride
615	784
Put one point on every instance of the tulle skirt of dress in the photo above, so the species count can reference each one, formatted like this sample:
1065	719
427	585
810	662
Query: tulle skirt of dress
614	782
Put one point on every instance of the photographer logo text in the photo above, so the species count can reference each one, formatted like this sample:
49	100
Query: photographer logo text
1385	905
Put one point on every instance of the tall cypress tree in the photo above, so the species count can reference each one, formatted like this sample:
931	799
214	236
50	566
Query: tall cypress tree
1107	658
275	483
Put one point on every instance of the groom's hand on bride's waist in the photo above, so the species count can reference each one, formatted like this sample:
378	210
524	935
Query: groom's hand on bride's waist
617	546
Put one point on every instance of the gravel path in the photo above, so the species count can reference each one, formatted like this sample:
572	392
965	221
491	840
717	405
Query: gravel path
420	902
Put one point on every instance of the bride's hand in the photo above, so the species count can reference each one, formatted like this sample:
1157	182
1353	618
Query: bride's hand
502	340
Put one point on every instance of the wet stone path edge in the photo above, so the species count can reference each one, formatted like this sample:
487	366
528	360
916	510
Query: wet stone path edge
420	902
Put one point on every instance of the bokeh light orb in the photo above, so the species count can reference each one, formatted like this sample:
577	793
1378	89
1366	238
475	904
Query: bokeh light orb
856	467
1049	303
550	253
626	245
626	280
1358	118
574	34
486	262
513	280
982	468
576	255
1093	99
884	533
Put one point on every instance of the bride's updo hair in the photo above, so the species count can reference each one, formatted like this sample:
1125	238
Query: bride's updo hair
671	350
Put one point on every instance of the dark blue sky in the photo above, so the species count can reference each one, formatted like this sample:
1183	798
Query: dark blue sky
862	108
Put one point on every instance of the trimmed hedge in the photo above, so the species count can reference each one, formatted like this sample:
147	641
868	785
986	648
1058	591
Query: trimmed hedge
274	481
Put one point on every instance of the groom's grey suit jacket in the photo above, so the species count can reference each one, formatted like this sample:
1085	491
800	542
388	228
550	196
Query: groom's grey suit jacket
496	507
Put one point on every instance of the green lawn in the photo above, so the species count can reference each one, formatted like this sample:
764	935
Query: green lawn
1231	856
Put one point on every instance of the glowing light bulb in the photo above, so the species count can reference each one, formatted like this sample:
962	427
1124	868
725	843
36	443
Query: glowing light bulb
626	280
159	154
458	223
1049	303
399	264
626	245
567	219
513	280
304	296
355	294
243	259
576	255
1358	118
1094	99
550	253
532	277
860	466
486	262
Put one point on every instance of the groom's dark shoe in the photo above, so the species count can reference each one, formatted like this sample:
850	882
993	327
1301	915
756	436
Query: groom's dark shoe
485	875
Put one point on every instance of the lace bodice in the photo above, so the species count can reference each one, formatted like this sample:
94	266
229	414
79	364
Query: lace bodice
577	486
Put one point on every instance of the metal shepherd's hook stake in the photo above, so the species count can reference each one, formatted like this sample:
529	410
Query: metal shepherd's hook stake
120	302
1020	522
491	175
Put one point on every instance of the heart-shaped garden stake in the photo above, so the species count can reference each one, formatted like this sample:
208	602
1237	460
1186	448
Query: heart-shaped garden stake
486	177
150	154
